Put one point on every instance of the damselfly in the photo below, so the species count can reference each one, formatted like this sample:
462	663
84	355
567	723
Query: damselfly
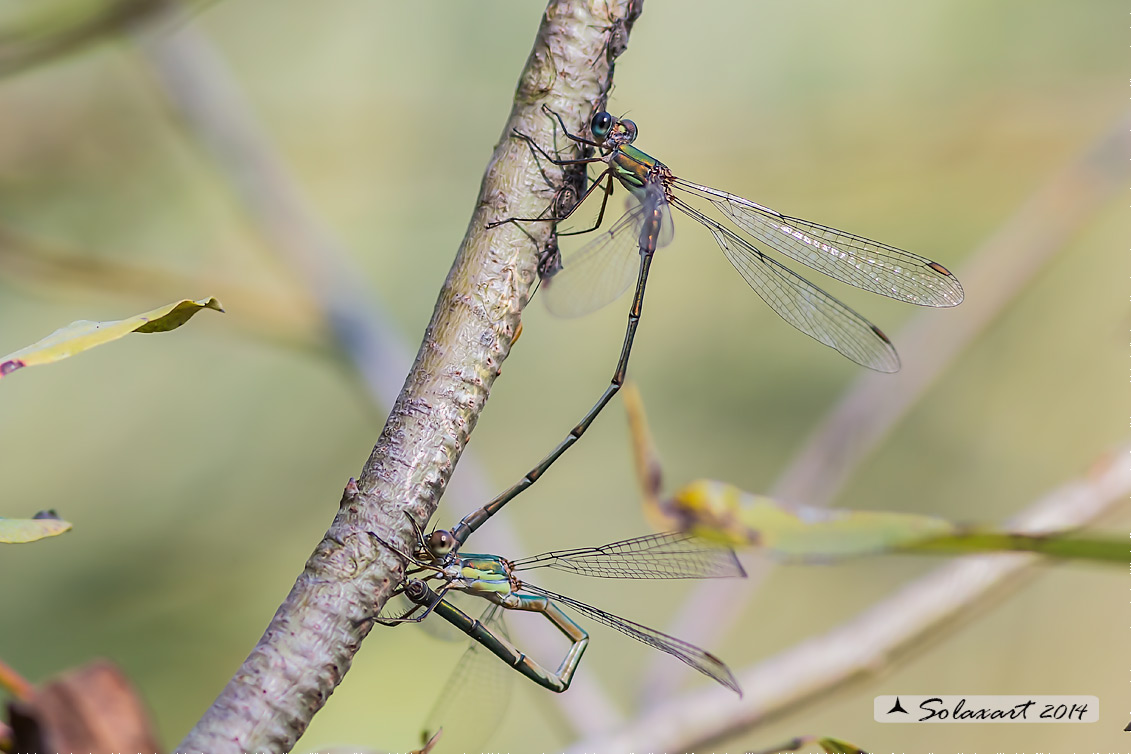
437	568
602	270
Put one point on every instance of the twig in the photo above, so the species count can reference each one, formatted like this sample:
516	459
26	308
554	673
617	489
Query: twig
311	640
57	271
868	644
998	272
217	116
22	49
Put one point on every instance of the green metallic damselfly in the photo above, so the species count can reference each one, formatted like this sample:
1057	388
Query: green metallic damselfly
602	270
658	556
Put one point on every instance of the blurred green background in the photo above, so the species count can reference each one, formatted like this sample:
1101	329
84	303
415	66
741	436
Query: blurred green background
201	467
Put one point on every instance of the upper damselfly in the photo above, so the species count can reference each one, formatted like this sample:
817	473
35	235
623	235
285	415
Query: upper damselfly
602	270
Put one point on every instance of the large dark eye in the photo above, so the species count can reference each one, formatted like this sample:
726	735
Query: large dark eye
440	542
601	125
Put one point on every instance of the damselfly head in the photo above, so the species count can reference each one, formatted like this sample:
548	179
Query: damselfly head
610	131
440	543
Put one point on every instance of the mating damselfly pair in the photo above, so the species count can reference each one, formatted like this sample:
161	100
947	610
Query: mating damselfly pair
599	273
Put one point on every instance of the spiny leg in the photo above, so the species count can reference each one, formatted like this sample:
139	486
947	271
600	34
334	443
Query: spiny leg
413	566
606	177
572	137
403	618
537	149
421	595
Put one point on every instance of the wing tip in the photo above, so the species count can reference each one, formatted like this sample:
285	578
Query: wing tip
951	293
723	674
887	360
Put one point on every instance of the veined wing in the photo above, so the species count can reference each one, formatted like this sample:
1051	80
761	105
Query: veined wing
860	262
601	271
702	660
656	228
674	555
477	675
800	303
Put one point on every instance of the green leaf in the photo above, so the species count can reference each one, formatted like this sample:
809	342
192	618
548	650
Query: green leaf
1067	545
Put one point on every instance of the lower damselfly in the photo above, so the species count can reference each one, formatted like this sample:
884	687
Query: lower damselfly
602	270
435	569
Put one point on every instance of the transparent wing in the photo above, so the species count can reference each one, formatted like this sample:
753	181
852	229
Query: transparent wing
800	303
675	555
478	675
703	661
601	271
656	229
860	262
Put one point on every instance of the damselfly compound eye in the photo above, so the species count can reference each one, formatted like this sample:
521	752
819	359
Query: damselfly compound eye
440	542
601	125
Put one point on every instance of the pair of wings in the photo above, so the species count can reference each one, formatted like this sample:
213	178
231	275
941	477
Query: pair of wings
605	268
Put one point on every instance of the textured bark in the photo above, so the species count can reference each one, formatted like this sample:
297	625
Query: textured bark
310	642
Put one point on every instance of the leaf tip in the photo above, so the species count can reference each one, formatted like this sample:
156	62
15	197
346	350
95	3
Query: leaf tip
10	366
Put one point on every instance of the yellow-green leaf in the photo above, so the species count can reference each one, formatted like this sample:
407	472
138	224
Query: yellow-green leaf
20	530
725	513
836	746
805	743
82	335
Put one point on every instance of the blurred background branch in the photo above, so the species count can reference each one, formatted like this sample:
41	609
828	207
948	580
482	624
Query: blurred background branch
286	319
60	30
217	117
867	645
998	271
